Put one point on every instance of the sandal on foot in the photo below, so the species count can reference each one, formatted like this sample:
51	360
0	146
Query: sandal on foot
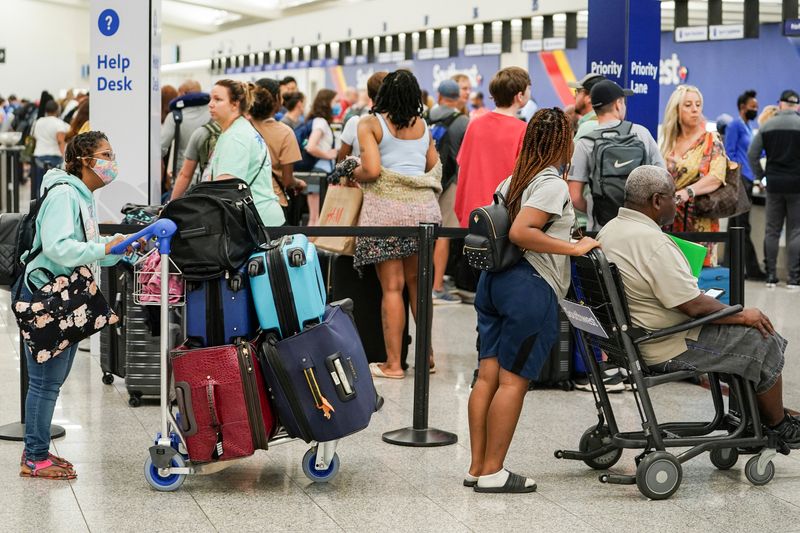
515	484
377	372
58	461
46	470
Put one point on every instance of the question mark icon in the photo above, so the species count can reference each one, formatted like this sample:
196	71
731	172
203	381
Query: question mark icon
108	22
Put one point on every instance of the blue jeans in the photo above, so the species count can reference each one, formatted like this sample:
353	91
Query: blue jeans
44	384
43	163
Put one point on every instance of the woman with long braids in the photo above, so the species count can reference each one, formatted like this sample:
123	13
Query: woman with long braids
401	176
518	308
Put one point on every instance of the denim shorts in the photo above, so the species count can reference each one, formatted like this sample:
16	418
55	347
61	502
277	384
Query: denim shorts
732	349
517	319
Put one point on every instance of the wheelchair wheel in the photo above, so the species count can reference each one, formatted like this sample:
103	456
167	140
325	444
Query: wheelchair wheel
659	475
724	458
593	440
754	476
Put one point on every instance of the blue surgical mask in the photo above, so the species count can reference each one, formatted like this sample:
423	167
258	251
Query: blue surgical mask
337	109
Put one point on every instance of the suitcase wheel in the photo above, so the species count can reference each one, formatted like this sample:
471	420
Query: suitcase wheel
168	483
319	476
255	267
297	257
135	400
108	378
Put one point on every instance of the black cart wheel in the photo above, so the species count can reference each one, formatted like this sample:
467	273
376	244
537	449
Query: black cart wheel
659	475
594	439
724	458
135	401
753	475
108	379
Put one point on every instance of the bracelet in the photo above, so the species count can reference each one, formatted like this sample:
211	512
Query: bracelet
690	192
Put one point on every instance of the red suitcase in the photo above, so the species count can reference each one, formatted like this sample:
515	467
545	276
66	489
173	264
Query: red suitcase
222	400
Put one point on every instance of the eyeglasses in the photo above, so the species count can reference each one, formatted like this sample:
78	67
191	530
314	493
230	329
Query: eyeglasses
108	154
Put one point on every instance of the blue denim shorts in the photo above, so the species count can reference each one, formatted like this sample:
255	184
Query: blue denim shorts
517	319
732	349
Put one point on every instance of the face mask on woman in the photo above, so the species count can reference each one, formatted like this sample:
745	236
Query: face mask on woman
106	170
336	109
751	114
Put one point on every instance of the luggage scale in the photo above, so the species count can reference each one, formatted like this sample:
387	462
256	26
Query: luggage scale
168	462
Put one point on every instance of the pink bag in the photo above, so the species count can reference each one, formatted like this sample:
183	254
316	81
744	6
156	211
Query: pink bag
150	281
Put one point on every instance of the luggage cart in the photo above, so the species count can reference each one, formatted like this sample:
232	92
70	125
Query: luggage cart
168	463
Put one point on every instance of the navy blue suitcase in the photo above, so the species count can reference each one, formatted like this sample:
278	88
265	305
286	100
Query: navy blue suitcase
319	379
218	311
716	278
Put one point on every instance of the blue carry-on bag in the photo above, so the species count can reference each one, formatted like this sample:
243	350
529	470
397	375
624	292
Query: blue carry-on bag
319	379
716	278
220	310
287	286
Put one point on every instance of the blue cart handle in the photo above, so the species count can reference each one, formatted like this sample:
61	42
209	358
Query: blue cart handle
163	229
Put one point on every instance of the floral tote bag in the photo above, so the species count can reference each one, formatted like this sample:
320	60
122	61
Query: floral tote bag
64	311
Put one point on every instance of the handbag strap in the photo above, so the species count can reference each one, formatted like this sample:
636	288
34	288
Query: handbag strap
709	145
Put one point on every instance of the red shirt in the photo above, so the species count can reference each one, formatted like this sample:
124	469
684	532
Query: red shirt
488	155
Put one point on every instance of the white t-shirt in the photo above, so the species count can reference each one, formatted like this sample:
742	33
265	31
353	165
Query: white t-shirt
350	135
325	143
45	130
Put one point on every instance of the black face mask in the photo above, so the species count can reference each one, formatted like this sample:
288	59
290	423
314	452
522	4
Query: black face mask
751	114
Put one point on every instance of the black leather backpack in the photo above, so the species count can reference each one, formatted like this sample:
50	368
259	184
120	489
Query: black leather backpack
487	246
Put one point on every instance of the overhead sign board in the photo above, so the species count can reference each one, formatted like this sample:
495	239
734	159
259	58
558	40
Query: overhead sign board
554	43
532	45
688	34
791	27
492	49
473	50
724	32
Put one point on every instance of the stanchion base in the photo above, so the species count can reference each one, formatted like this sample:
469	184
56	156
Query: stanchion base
16	432
420	438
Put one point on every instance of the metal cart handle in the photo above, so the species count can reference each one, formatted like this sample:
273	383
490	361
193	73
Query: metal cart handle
163	229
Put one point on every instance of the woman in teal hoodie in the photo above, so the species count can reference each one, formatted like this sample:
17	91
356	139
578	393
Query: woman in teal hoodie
67	231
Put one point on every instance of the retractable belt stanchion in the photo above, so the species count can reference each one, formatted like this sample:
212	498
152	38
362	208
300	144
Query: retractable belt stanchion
420	435
736	239
15	431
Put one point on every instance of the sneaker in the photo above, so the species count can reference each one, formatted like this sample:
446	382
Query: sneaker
467	297
450	285
445	298
772	282
612	383
788	431
793	285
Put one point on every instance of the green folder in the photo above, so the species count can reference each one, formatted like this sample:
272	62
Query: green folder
695	253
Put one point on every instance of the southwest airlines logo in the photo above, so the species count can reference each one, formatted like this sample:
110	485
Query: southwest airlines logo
671	72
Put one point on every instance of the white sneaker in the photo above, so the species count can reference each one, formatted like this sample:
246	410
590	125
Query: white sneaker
793	286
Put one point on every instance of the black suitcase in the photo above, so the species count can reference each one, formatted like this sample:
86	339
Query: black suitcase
112	339
557	371
342	282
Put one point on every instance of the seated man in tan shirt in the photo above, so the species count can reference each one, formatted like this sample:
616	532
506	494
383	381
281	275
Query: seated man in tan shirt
662	292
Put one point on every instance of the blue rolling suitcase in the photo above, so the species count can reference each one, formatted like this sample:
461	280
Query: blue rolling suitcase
287	286
220	310
319	379
716	278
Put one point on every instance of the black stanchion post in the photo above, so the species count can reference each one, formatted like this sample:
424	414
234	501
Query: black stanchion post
420	435
736	243
15	431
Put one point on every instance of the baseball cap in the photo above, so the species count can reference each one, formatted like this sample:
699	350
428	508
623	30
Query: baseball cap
605	92
449	89
587	82
790	97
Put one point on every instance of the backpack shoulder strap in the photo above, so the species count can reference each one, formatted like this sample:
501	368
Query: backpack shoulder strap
34	253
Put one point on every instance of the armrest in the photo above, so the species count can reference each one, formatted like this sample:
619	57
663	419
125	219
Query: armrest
666	332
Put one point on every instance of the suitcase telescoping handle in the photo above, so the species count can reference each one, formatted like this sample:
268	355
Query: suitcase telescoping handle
162	229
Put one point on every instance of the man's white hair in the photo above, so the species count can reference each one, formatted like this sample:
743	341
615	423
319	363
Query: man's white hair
644	182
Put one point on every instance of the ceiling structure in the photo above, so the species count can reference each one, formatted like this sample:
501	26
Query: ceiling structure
211	16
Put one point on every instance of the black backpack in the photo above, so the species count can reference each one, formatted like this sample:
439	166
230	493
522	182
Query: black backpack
218	229
616	153
17	232
487	246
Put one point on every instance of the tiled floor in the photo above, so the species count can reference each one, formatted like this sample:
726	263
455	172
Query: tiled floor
384	487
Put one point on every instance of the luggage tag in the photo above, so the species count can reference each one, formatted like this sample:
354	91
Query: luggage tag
218	448
320	402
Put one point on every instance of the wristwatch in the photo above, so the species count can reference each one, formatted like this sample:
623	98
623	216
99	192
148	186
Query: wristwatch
690	192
